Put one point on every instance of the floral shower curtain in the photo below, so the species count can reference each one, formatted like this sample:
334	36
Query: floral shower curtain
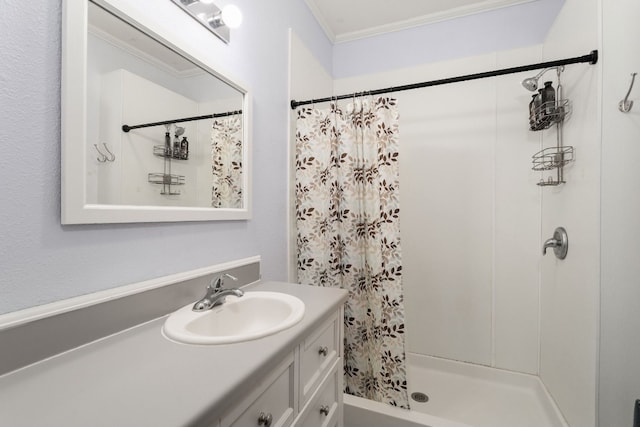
226	162
347	216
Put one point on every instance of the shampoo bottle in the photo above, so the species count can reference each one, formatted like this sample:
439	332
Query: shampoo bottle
549	99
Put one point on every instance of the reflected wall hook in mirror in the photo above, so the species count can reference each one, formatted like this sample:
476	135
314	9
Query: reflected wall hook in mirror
101	156
112	157
625	105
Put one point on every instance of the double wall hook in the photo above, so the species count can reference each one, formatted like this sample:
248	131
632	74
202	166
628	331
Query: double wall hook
625	105
112	157
103	157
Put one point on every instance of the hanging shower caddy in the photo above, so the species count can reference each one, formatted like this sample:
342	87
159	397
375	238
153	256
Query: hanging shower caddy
170	152
544	116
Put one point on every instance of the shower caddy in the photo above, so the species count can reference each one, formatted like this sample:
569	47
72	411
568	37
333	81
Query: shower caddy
543	117
169	153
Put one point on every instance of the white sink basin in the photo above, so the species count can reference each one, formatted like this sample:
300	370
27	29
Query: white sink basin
254	315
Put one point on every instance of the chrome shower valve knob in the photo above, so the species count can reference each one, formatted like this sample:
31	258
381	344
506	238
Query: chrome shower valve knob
559	242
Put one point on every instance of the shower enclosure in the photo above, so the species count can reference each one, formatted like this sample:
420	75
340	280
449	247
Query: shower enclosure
481	302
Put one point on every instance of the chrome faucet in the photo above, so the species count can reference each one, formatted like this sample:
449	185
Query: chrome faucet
216	294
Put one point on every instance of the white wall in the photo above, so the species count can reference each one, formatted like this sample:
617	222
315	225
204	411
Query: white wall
570	288
620	234
470	211
43	261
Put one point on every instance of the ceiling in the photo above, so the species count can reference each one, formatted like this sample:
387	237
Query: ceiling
354	19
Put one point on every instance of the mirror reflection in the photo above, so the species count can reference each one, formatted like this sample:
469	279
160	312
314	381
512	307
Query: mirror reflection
161	131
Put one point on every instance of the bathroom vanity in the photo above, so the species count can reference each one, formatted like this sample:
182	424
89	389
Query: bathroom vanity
306	387
138	377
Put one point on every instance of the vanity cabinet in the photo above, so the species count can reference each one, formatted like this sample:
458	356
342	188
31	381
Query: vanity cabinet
272	402
304	390
325	408
318	352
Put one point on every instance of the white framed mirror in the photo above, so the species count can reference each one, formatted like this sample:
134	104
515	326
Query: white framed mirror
150	133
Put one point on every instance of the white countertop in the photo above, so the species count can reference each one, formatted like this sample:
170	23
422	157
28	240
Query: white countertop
139	378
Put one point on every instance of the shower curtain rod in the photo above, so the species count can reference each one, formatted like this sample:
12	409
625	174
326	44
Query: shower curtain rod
127	128
591	58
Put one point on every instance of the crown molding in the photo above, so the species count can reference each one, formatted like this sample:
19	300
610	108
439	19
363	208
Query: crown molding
315	10
458	12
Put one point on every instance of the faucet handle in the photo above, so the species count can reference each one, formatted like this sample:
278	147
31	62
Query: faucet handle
216	284
559	242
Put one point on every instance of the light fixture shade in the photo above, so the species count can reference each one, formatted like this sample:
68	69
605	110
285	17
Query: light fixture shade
231	16
211	17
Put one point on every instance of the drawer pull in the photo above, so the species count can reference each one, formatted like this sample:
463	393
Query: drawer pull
324	410
265	419
323	350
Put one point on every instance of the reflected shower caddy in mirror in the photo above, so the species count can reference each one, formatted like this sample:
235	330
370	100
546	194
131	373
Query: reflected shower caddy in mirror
544	115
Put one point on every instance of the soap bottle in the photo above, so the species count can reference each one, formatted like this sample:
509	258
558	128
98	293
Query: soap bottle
167	144
537	102
184	148
532	112
549	99
176	148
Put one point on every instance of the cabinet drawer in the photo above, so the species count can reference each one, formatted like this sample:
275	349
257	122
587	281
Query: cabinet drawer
317	354
324	408
272	399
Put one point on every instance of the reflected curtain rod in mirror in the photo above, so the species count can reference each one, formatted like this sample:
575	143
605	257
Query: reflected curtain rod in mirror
115	71
127	128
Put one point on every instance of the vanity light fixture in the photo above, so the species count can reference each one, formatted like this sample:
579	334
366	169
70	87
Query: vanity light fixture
218	21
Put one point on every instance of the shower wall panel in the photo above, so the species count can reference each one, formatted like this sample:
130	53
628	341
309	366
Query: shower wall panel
446	168
570	288
516	223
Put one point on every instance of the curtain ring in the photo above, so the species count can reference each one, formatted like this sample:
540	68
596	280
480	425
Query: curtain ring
369	99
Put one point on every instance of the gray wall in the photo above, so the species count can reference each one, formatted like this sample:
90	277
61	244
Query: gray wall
42	261
525	24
